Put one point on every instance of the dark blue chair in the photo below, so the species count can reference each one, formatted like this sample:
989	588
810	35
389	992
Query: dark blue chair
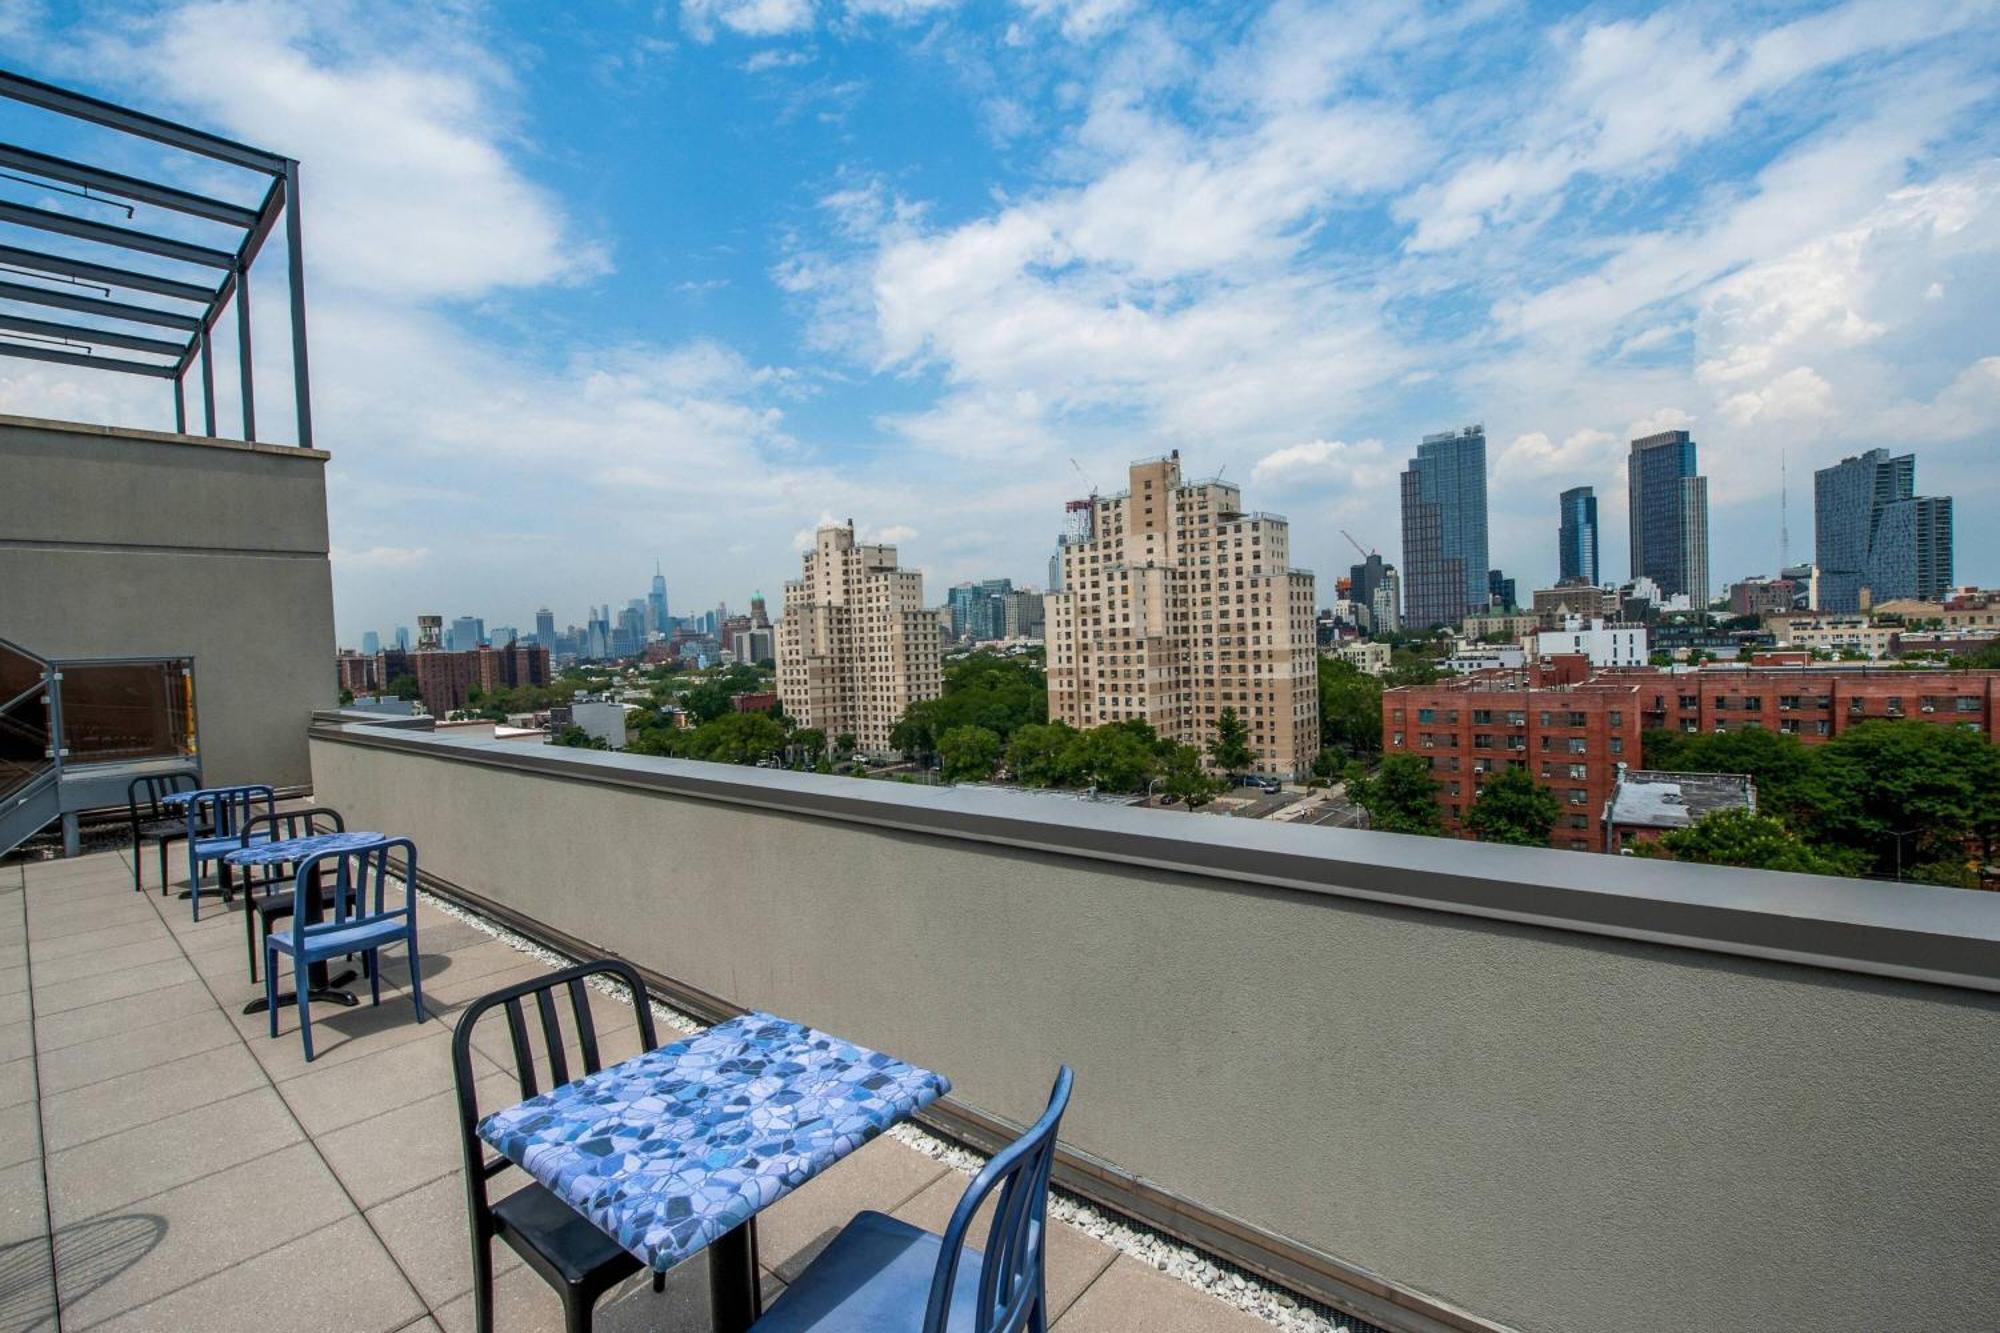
267	891
349	915
215	820
884	1276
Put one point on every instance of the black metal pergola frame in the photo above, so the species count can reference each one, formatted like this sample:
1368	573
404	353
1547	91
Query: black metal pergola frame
134	326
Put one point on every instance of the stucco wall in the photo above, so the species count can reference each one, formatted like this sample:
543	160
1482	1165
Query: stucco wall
1551	1130
122	543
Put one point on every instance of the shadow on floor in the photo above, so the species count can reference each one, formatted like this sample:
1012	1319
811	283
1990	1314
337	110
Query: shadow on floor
91	1255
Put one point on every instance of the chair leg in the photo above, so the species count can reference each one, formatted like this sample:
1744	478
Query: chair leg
163	867
372	961
482	1285
194	883
659	1282
576	1310
416	980
250	916
138	860
271	985
302	983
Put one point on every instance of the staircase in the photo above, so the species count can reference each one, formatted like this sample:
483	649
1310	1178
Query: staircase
30	768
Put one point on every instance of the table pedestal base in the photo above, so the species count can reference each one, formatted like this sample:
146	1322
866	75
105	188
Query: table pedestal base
735	1285
327	993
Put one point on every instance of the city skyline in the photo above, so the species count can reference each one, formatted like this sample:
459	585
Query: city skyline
1093	232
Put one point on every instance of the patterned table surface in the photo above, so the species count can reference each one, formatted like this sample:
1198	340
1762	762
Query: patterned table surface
672	1149
287	850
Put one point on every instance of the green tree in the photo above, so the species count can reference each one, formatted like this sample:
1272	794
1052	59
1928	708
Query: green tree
1780	764
968	754
1401	796
711	699
1409	667
346	696
1513	808
1117	757
844	744
1906	793
810	742
1755	841
737	738
916	731
1230	746
1182	775
577	738
404	686
1046	754
1350	710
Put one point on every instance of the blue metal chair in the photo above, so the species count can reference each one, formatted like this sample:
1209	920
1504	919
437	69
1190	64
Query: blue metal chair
334	920
261	908
215	820
880	1275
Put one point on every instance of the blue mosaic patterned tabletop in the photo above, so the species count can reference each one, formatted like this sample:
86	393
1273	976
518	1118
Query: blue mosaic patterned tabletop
672	1149
288	850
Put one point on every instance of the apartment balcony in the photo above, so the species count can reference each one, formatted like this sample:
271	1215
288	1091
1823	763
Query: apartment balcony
1423	1084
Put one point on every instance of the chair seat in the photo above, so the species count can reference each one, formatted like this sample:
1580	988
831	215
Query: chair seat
559	1242
271	904
207	849
875	1277
367	933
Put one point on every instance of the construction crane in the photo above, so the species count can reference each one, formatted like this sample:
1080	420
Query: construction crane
1355	544
1085	480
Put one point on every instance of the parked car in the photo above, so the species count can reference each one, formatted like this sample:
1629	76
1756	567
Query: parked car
1262	781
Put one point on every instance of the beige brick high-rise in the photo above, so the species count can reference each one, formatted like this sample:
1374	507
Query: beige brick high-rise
1175	605
855	645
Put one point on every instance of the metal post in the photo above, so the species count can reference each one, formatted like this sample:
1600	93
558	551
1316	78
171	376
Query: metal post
243	351
180	407
207	382
295	249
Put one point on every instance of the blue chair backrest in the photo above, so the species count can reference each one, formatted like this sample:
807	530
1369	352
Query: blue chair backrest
1010	1281
349	879
223	811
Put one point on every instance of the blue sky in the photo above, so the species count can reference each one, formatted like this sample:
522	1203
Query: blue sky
596	285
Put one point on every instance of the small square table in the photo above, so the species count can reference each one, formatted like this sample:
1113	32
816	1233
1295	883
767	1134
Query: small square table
291	851
678	1149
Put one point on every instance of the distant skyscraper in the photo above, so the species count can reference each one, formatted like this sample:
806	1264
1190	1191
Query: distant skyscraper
503	635
1872	531
403	637
545	628
1444	529
1669	515
1500	589
1576	537
371	643
1367	583
430	633
656	602
467	633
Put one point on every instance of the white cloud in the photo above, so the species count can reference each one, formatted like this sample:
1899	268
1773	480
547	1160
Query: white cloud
1080	20
776	59
399	119
1326	462
899	11
746	18
378	557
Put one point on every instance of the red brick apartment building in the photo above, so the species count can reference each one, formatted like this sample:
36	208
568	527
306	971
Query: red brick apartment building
1571	728
445	679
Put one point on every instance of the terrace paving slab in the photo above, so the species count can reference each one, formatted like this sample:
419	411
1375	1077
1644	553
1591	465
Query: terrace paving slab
204	1176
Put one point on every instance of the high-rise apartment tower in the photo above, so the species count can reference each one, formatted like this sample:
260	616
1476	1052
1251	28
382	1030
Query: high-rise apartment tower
1444	529
1669	511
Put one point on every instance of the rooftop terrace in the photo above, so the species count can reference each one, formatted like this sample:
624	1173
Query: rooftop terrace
196	1174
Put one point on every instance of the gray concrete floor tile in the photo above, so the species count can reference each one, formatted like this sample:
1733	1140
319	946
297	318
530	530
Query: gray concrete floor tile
413	1145
372	1083
28	1295
17	1082
59	995
22	1214
204	1227
339	1035
159	948
20	1134
1074	1259
17	1040
13	980
83	918
53	1032
132	1050
427	1232
883	1176
50	952
139	1098
1132	1298
162	1154
335	1280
